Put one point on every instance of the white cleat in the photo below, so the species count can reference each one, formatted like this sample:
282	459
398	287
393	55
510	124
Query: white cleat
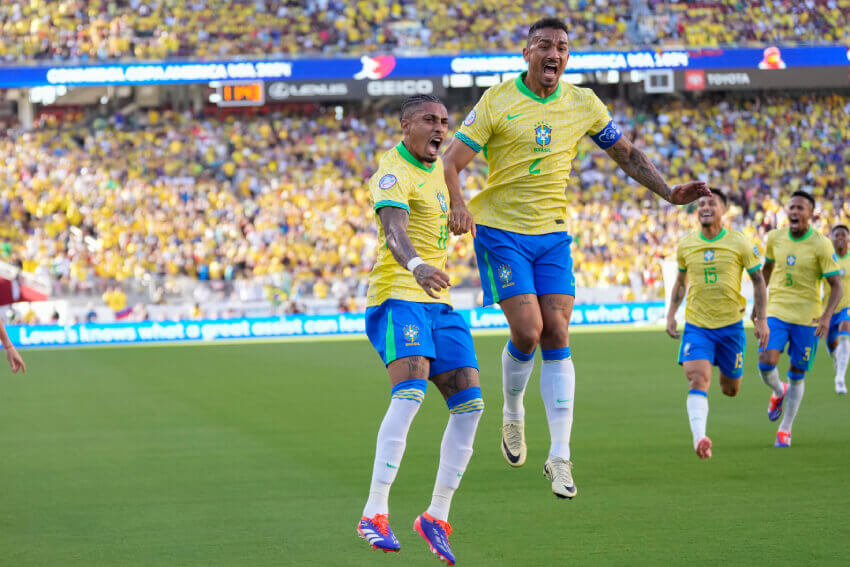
513	442
560	472
840	387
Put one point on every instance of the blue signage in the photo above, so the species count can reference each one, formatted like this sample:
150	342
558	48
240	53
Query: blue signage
288	326
393	67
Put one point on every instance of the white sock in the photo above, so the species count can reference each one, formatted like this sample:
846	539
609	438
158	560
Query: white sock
392	438
697	413
455	452
771	378
842	356
793	397
516	370
557	386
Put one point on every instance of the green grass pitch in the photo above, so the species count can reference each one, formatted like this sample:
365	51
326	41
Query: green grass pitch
260	454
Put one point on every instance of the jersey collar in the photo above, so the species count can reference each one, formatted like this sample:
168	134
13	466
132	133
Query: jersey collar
408	157
720	235
805	236
520	84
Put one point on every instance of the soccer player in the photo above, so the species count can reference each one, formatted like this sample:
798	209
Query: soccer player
528	129
712	259
838	337
795	259
410	322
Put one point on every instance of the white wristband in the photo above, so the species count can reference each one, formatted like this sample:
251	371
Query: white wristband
414	263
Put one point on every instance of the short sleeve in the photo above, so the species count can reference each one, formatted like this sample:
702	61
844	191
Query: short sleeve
827	260
387	189
750	255
602	131
768	249
680	259
477	127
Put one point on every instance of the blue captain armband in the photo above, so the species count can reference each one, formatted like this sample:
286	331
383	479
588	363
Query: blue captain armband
608	136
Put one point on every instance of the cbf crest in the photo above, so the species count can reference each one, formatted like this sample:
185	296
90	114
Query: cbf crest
542	133
791	260
709	255
442	200
411	335
505	275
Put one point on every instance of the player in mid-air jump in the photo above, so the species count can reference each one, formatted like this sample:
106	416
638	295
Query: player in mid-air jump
410	322
838	337
712	259
528	129
795	259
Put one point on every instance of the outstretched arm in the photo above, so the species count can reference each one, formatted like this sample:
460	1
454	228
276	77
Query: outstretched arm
15	360
678	295
637	165
760	308
430	278
456	157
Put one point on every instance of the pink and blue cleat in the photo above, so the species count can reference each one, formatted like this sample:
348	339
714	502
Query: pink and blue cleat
376	530
436	533
783	439
774	410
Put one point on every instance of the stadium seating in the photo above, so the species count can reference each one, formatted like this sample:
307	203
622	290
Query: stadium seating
155	29
284	195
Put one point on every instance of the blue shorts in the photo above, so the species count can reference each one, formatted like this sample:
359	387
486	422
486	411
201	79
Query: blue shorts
723	347
837	319
801	340
512	264
399	328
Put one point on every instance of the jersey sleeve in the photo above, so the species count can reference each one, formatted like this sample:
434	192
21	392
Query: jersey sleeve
389	190
750	255
477	127
602	131
680	258
768	249
827	260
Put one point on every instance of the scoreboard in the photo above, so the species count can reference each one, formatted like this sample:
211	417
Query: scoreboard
241	94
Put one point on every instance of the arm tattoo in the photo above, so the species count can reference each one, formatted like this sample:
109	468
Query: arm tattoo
637	165
759	295
394	221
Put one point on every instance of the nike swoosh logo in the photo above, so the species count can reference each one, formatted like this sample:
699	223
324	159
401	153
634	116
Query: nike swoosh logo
391	466
514	116
516	389
563	401
511	457
423	183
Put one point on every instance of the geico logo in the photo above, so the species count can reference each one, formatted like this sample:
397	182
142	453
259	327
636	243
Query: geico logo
727	78
385	88
284	90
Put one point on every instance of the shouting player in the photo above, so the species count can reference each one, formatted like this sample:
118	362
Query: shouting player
529	129
410	322
838	338
795	260
712	259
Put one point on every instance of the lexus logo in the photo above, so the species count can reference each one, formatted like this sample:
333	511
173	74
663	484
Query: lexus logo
282	91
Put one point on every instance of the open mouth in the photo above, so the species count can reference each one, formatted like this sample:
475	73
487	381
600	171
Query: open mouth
550	70
434	144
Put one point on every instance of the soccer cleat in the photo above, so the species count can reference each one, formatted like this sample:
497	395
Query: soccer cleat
840	387
513	442
436	533
703	448
774	410
783	439
560	472
376	530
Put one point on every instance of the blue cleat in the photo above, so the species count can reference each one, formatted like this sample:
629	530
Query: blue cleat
376	530
774	410
783	439
436	533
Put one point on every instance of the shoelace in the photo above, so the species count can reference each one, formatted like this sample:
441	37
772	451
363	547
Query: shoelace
513	435
445	526
562	467
381	522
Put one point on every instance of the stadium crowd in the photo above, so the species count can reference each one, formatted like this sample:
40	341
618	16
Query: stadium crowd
90	30
282	197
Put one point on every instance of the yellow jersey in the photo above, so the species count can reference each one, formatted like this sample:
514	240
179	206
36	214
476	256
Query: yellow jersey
714	269
403	181
529	143
844	266
799	264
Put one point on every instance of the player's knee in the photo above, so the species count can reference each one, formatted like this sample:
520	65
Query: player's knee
527	337
555	336
697	380
730	387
